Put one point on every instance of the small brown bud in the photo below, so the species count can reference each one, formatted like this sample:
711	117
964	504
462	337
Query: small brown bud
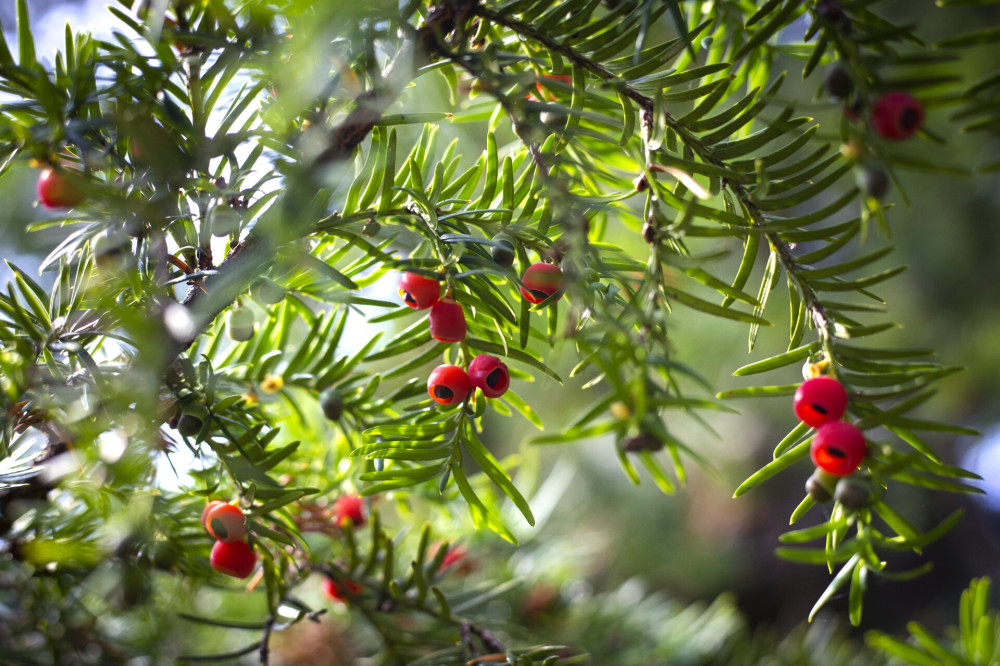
649	232
644	441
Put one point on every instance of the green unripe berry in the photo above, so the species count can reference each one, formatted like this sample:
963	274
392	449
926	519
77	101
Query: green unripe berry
853	492
268	291
332	403
503	255
223	221
553	119
531	130
241	324
164	554
818	487
874	181
192	420
838	83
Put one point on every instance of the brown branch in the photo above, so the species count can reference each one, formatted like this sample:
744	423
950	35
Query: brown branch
265	649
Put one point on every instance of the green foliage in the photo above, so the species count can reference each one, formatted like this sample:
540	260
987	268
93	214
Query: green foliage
976	640
324	147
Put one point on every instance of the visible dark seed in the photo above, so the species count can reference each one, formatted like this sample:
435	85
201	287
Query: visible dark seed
443	392
909	119
219	528
408	298
835	452
493	378
819	408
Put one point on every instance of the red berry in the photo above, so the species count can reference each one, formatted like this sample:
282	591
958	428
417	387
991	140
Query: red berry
419	292
454	555
563	78
57	190
447	321
490	374
897	116
208	507
235	559
838	448
332	590
820	400
226	523
448	384
541	281
349	509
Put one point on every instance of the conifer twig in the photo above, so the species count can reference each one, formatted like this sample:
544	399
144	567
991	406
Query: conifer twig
646	104
249	257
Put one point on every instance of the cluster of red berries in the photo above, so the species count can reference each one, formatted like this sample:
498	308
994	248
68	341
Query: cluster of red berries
451	384
231	554
895	116
447	318
838	447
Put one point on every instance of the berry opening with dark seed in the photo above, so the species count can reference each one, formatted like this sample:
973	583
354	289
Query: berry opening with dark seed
419	292
838	448
490	375
541	281
897	115
820	400
448	384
